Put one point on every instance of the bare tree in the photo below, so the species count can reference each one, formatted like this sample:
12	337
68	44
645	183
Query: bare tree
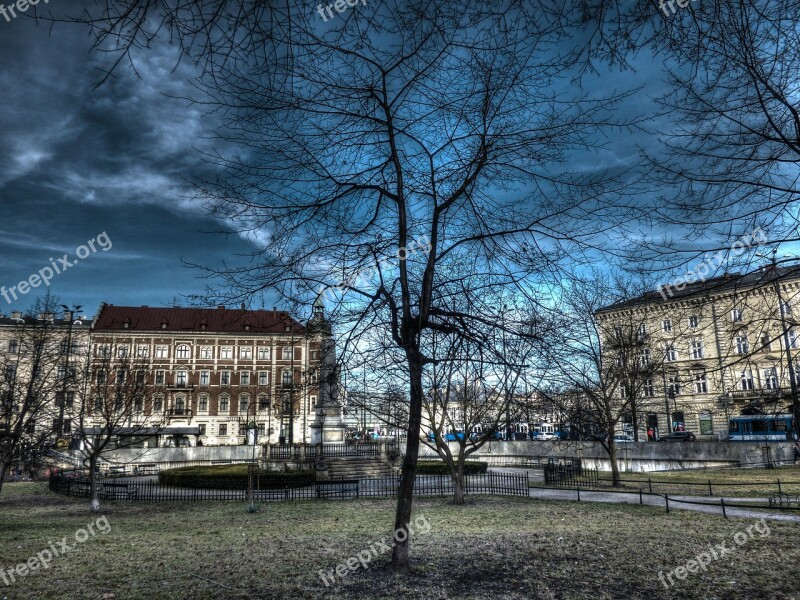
115	411
434	126
34	383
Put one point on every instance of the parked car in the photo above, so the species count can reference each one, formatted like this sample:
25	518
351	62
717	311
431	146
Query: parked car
448	437
679	436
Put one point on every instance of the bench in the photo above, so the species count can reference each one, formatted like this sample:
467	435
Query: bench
118	491
344	488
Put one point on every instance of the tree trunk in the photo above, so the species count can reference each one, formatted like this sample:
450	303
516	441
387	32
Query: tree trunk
3	471
458	483
612	455
94	505
401	562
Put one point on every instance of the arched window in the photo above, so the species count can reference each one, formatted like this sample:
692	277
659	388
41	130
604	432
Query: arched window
183	351
224	404
706	423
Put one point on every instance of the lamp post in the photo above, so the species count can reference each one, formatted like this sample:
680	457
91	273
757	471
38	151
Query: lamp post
71	313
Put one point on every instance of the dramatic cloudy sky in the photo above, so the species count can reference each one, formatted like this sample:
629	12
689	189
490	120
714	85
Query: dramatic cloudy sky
77	162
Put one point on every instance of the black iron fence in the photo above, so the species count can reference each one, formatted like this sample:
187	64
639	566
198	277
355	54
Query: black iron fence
131	489
569	473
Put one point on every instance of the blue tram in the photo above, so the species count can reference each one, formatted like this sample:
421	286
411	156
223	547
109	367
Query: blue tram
760	428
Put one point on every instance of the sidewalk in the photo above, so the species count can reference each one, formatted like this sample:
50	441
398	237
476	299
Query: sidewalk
674	502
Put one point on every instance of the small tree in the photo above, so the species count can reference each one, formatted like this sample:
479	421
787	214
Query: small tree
114	408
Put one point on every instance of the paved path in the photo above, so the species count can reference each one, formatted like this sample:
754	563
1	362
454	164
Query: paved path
712	504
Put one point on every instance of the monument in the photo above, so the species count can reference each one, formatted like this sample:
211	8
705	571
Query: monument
328	426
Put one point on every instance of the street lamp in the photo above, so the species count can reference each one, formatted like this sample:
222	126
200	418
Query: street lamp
71	312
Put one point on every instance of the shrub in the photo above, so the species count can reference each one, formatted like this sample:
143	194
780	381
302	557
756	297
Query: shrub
232	477
437	467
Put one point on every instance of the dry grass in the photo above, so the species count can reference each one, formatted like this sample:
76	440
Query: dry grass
491	548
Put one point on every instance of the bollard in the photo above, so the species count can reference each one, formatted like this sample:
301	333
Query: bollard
722	502
779	487
641	501
650	484
710	493
579	493
666	501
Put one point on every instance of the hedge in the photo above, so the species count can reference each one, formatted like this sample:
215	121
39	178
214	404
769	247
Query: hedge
438	467
232	477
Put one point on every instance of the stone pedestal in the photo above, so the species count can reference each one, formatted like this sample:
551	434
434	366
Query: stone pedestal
328	426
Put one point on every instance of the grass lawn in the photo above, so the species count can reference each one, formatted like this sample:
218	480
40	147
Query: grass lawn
491	548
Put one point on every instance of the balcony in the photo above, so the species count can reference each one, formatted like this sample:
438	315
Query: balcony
178	413
181	387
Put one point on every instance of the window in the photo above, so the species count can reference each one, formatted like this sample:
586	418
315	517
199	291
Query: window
224	404
644	358
246	352
98	404
226	352
742	345
180	405
202	428
140	377
244	404
13	346
736	315
786	308
104	351
770	378
37	372
287	378
262	430
746	380
244	378
666	325
138	404
183	352
263	378
159	377
242	428
263	353
100	377
206	352
122	376
706	423
11	371
142	351
202	404
794	339
766	342
162	352
224	377
648	390
288	353
205	377
694	321
70	399
696	348
158	403
642	333
223	430
674	385
677	421
122	351
262	403
671	354
700	383
180	378
67	426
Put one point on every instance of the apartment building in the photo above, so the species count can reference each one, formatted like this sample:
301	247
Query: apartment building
208	376
723	347
41	359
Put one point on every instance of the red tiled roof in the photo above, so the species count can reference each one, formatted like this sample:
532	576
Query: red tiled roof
220	320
